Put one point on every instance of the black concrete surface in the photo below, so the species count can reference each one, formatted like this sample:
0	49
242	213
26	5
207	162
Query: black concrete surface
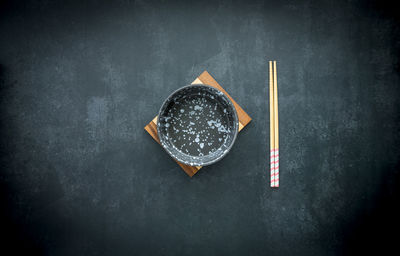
80	79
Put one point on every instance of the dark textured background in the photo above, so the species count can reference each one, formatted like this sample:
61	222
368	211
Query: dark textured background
79	81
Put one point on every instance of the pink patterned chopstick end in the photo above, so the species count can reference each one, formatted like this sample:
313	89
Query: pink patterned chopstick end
274	160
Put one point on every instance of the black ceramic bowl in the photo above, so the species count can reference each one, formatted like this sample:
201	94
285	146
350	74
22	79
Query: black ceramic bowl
197	125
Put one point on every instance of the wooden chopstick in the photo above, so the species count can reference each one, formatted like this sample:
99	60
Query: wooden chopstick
271	122
276	127
274	124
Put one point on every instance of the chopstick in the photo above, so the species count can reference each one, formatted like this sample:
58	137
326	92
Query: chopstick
274	124
271	123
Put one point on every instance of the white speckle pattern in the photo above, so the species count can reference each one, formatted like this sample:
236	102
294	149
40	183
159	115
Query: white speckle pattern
198	125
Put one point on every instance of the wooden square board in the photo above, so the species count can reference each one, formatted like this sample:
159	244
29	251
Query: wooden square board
204	78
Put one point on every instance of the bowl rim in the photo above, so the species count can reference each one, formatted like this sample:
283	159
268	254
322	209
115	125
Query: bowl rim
192	163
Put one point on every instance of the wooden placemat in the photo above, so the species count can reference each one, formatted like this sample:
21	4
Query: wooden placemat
204	78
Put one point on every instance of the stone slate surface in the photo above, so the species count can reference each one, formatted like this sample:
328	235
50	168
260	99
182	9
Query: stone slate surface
80	79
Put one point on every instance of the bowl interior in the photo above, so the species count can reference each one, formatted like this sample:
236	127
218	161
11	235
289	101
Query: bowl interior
197	125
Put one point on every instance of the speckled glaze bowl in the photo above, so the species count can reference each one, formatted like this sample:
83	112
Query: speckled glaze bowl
197	125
